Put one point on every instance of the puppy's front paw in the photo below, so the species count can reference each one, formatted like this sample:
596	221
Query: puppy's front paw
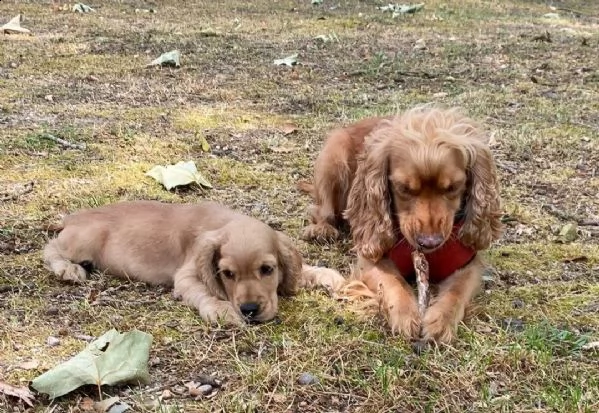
222	312
328	278
320	232
72	272
440	323
404	319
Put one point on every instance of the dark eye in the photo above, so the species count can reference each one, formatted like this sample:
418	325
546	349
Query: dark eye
403	190
266	270
228	274
450	188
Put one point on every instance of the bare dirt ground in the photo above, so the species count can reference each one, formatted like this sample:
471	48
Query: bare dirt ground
532	79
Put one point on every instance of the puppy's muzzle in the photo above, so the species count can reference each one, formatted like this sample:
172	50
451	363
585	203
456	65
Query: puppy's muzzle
249	310
430	241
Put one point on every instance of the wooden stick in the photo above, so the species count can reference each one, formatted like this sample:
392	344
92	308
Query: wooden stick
421	268
64	142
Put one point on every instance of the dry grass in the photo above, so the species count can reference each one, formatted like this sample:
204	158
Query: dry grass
522	348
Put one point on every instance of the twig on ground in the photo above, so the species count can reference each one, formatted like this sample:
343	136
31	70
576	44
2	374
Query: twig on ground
17	192
63	142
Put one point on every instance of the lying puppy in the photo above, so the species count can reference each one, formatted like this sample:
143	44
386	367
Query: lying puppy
424	180
227	265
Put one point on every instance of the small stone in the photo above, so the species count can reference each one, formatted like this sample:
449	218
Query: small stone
338	321
512	324
306	379
517	303
166	394
52	311
154	361
303	403
205	389
53	341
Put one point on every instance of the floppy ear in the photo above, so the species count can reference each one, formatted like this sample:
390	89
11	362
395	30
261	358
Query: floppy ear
482	224
369	202
290	264
207	250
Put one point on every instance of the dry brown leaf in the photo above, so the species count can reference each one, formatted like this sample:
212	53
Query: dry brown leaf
288	128
87	404
193	390
22	393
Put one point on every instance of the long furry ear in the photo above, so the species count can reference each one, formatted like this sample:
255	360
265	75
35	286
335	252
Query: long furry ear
482	224
369	201
207	250
290	264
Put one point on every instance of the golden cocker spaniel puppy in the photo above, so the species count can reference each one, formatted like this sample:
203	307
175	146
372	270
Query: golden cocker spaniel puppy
425	180
227	265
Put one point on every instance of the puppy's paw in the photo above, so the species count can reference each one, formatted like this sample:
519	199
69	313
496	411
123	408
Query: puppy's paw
440	323
328	278
72	272
222	312
404	319
320	232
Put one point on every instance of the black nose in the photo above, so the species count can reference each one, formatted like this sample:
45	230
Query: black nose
429	241
249	309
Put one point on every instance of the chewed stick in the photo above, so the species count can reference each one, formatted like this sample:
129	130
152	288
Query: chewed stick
421	268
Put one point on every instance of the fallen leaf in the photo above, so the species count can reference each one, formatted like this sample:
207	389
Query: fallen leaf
551	16
210	32
569	233
203	142
29	365
593	345
287	61
14	26
420	44
172	58
21	393
111	359
182	173
288	128
327	38
82	8
401	9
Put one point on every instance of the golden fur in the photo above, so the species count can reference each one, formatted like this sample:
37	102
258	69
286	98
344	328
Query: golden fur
227	265
409	174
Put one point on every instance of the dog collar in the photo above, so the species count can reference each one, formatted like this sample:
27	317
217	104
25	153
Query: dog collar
442	262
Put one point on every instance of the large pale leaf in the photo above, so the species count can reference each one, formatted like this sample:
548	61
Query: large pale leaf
14	26
400	9
182	173
172	58
111	359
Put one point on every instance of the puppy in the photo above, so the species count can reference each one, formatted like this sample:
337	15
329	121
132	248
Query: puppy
227	265
424	180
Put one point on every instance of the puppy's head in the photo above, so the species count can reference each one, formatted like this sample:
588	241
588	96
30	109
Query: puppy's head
250	264
418	170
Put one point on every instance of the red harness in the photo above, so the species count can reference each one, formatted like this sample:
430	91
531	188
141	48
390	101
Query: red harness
442	262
